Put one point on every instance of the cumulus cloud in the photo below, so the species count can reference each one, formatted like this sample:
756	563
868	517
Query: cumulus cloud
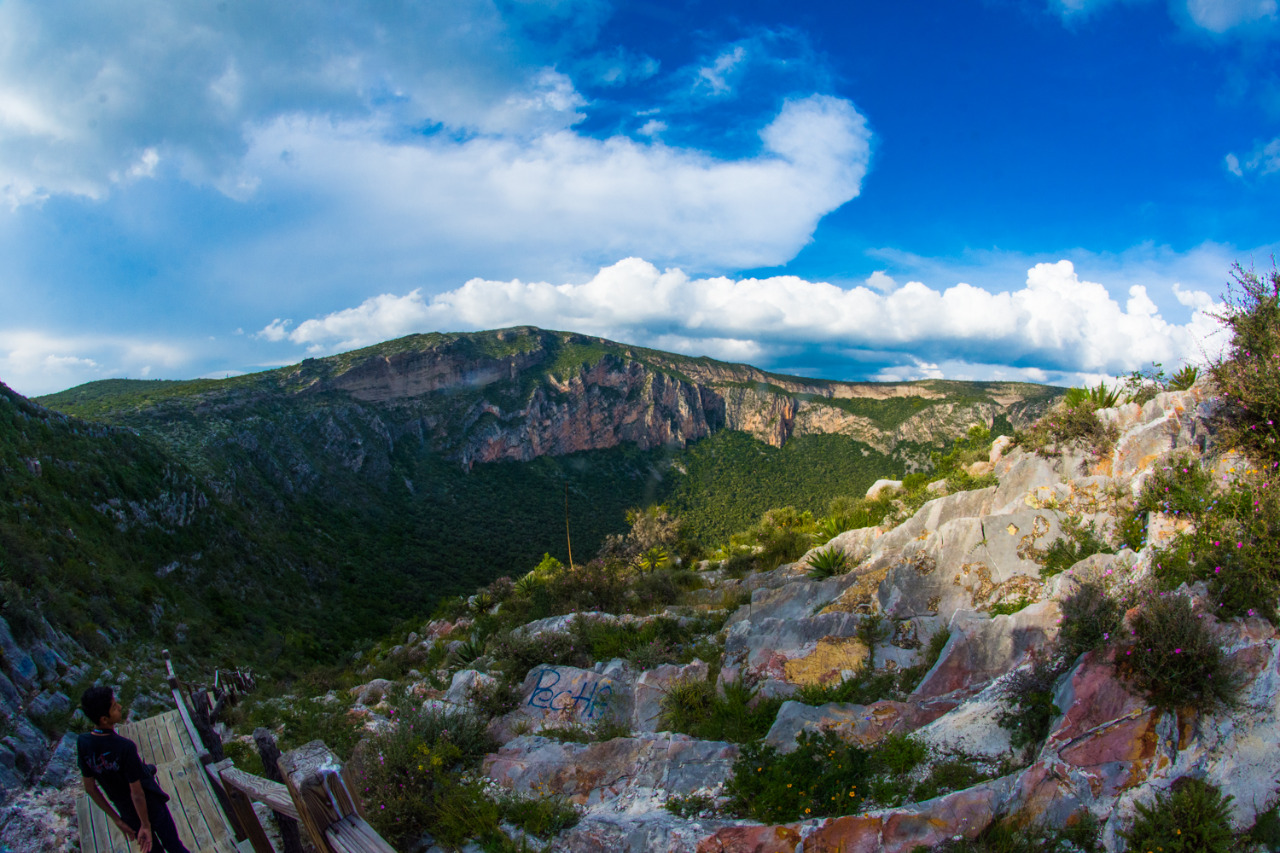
1055	324
565	194
84	97
35	362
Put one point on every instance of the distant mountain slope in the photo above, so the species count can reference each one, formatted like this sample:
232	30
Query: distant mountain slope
329	499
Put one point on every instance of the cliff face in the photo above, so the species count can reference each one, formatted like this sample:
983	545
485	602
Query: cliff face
518	394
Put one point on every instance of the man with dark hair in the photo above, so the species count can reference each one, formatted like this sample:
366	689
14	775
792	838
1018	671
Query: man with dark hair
110	763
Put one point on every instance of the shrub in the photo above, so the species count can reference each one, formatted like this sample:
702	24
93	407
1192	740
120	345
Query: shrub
1030	695
1181	488
1007	608
1192	816
739	716
870	685
1266	828
827	563
1174	660
1248	373
692	806
1007	837
1077	542
1090	618
516	654
539	816
1068	426
821	777
954	774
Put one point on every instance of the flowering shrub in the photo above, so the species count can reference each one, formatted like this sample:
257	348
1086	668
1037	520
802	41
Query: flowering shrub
1173	659
1248	374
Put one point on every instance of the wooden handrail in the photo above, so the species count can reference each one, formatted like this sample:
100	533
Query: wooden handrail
183	711
260	790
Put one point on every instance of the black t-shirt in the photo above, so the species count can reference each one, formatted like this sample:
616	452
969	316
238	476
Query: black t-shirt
113	761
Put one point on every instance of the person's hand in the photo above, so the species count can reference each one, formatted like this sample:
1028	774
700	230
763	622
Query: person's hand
125	828
144	840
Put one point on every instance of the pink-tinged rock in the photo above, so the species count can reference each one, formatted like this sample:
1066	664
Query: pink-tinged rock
1091	696
752	839
1116	757
982	649
964	813
565	696
851	834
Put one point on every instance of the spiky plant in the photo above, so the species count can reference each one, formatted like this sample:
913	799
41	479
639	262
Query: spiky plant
1192	816
827	563
1184	378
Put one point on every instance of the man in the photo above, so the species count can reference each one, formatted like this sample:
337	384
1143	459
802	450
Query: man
110	762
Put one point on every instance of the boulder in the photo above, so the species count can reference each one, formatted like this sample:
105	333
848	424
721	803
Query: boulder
49	664
982	649
568	696
464	682
881	486
972	728
373	692
28	746
763	647
49	702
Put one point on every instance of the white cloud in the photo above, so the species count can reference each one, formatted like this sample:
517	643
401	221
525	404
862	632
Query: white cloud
1264	160
560	195
1055	324
85	96
34	362
716	78
1218	16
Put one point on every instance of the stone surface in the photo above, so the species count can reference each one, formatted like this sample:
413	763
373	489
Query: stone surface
762	647
17	663
593	773
652	685
864	724
880	486
61	768
568	696
49	702
982	649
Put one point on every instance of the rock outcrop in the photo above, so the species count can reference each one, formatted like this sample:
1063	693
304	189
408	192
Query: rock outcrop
946	568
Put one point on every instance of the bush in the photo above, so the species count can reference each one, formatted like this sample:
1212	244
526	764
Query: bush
692	806
1077	542
821	777
1180	488
1069	426
1248	374
539	816
1030	695
1090	619
1192	817
738	716
1174	660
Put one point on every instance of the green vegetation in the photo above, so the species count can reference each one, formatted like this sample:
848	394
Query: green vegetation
827	563
1174	659
828	776
733	714
1192	816
1077	542
1069	426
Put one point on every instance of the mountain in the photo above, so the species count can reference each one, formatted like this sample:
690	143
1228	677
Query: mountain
288	513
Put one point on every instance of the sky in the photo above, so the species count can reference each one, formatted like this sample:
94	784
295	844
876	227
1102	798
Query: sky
1042	190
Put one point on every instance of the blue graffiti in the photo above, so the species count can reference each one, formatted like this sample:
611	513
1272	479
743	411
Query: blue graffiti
589	702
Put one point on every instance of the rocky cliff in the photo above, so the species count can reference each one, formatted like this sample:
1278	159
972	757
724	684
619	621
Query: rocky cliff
968	567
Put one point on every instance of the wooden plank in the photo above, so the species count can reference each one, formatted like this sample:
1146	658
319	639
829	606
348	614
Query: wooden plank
352	835
242	813
97	833
201	824
260	790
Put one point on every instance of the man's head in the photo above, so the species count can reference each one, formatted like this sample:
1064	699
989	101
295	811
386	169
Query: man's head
97	704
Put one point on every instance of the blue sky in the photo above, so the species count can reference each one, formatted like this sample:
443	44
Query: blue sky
1051	190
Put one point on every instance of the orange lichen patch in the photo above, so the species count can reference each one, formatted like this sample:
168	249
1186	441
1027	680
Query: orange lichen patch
975	578
825	663
1186	727
1012	528
858	598
1125	748
1027	549
751	839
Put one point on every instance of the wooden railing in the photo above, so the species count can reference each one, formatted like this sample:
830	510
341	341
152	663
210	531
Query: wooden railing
310	791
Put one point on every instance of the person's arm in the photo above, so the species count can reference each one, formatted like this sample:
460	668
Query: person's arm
140	806
95	794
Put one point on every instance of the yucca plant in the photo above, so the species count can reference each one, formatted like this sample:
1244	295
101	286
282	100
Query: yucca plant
831	527
655	558
827	563
1184	378
465	654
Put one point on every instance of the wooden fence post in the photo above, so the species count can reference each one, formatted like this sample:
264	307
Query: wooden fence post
270	753
314	776
241	811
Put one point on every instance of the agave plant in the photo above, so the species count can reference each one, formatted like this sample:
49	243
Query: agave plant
655	558
831	527
527	585
464	654
1099	397
1184	378
827	562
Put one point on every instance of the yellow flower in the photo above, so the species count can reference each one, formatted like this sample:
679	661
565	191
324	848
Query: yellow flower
788	784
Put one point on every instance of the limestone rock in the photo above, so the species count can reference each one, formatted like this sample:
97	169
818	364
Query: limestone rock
568	696
17	663
593	773
880	486
981	649
653	684
863	724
